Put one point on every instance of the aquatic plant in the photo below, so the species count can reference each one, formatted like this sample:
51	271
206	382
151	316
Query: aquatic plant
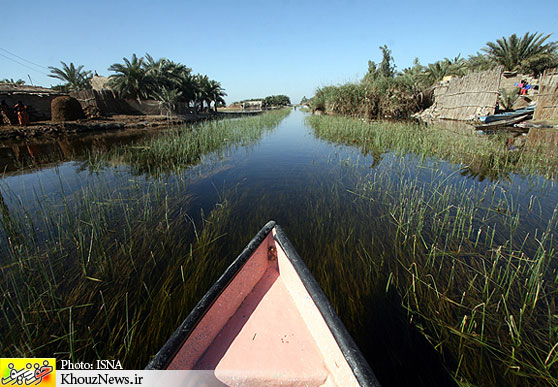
484	154
183	147
89	274
92	276
479	286
474	268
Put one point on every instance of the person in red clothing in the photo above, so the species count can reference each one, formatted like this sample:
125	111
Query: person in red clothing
22	115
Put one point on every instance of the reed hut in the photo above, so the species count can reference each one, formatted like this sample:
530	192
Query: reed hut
547	104
66	108
465	98
37	99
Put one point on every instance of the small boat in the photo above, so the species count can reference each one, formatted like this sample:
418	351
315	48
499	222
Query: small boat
507	115
266	321
503	123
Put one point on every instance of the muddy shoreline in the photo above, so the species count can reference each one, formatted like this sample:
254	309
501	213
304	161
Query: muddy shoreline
102	124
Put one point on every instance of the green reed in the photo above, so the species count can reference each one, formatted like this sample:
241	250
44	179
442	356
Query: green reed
475	270
480	155
110	270
96	283
182	147
480	289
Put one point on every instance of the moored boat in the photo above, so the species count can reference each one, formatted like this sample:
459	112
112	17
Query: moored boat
266	321
504	123
507	115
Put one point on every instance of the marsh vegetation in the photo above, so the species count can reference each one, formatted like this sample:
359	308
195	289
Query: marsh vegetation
441	276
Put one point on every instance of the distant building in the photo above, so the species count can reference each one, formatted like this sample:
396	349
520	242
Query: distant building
252	105
37	99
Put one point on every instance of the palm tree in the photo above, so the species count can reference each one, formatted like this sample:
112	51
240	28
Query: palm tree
130	79
527	53
202	91
188	86
435	72
163	73
215	93
479	62
11	81
168	98
75	78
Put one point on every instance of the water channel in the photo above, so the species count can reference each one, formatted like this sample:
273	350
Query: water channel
311	187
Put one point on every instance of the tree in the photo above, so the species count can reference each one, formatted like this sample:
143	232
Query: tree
479	62
162	73
387	68
276	100
435	72
202	91
188	86
74	78
130	79
11	81
168	98
528	53
216	93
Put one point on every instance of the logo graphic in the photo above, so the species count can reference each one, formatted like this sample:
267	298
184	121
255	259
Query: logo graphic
28	372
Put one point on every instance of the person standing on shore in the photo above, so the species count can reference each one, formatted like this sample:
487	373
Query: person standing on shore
22	115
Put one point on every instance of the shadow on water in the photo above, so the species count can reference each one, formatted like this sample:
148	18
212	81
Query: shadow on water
23	156
174	235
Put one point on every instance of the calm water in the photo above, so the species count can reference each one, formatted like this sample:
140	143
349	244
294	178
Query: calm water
304	183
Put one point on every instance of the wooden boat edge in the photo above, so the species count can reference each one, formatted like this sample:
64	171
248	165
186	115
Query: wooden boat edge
356	361
165	355
360	367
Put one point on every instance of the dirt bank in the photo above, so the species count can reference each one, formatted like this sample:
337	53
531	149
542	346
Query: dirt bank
48	128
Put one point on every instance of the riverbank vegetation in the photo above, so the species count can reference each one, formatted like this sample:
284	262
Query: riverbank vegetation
385	92
91	276
478	285
182	147
91	273
473	264
483	156
276	101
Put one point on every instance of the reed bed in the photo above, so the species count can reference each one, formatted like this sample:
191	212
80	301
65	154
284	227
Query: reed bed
182	147
480	287
111	269
480	155
90	277
474	269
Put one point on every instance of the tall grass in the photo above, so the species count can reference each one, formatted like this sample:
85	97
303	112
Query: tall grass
373	97
479	155
91	276
481	287
185	146
474	268
110	270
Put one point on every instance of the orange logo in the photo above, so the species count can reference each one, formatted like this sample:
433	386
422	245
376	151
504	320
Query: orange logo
28	372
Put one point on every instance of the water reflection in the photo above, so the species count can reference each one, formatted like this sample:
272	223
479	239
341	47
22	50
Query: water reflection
24	156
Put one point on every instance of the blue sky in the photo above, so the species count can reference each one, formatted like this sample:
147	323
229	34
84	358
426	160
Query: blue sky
258	48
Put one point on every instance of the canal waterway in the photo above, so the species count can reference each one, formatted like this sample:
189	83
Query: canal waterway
330	199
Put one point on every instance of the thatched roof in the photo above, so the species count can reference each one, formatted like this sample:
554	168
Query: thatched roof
8	88
100	83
